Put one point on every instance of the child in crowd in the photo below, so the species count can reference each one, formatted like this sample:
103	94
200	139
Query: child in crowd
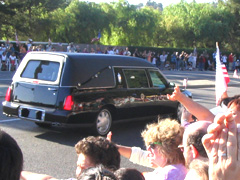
13	61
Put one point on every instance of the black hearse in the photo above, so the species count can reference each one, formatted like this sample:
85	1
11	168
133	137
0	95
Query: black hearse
87	90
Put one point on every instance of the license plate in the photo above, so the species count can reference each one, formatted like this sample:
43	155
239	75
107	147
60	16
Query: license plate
31	113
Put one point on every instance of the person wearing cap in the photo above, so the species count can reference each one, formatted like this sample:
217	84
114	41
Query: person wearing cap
29	44
237	65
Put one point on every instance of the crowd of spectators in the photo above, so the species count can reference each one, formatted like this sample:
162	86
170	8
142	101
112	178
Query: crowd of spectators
205	149
12	54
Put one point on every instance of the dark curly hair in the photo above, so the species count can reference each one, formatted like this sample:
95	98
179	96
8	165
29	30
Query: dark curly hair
100	151
235	102
128	174
97	173
195	139
11	158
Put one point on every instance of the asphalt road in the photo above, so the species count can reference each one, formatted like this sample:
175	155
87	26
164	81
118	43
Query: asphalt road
51	150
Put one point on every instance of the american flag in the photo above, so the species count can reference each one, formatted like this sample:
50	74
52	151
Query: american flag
222	78
98	37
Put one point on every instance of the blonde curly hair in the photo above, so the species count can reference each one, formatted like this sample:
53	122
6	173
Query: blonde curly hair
167	133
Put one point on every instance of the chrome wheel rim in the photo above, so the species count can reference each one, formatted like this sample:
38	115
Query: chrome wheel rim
104	122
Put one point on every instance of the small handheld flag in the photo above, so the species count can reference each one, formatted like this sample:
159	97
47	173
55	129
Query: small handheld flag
222	78
185	83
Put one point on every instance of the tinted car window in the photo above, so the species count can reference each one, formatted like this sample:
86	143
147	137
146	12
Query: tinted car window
136	78
156	78
42	70
120	81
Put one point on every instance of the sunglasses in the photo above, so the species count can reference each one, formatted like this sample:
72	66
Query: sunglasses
153	145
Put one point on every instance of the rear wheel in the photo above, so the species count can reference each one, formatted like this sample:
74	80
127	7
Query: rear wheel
43	125
103	122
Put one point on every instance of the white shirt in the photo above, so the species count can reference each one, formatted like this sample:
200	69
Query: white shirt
154	60
127	53
13	58
4	58
163	57
224	59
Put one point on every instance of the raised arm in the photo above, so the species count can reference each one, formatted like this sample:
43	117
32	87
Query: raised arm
134	154
199	111
125	151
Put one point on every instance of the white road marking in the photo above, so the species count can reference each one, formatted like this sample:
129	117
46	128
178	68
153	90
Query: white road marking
9	120
197	100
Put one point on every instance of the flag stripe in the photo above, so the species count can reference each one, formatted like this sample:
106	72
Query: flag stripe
222	78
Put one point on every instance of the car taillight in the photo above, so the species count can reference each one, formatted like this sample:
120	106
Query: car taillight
8	94
68	103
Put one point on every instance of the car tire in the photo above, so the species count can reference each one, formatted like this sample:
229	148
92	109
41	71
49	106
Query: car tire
103	122
43	125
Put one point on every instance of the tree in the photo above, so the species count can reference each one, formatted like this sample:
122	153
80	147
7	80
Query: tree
7	12
202	23
79	22
27	17
132	26
234	40
155	5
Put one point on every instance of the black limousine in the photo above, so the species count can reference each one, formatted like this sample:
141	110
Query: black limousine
87	90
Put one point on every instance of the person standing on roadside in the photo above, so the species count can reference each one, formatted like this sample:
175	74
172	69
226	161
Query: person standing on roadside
136	53
180	62
224	60
127	52
201	62
230	62
173	61
149	56
163	59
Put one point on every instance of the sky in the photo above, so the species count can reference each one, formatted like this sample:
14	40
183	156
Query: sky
164	2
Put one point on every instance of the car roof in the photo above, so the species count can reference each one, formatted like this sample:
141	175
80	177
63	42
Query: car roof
113	60
87	70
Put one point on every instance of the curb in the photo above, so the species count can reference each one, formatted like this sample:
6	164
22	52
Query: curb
206	86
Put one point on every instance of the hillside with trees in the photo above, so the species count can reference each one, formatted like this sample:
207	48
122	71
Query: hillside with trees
182	25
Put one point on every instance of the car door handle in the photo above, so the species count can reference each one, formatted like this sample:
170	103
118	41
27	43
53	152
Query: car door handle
52	89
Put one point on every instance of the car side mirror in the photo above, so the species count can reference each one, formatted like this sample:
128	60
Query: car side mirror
171	84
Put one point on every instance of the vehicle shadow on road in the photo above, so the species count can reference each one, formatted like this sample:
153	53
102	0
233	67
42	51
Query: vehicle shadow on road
123	133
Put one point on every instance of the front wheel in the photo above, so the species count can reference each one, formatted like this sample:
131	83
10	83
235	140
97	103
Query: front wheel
103	122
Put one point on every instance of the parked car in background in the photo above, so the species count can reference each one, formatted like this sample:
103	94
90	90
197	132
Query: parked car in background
88	90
